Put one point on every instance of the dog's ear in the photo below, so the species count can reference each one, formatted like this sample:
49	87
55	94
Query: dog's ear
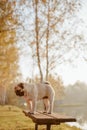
21	85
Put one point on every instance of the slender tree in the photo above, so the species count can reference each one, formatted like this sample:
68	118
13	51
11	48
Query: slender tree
47	40
48	32
37	40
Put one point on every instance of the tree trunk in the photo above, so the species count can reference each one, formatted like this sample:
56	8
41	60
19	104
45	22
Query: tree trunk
2	95
37	41
47	45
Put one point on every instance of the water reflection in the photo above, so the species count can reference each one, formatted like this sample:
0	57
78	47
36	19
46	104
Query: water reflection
77	111
81	126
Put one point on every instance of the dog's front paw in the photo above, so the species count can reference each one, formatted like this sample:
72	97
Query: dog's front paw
44	112
30	113
49	113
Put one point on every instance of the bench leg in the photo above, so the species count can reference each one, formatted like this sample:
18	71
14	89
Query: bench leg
36	126
48	126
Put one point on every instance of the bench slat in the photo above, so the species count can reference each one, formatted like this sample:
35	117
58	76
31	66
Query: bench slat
54	118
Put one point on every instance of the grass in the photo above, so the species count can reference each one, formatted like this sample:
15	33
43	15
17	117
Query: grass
12	118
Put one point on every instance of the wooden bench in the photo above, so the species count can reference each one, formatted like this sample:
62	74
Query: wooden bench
48	119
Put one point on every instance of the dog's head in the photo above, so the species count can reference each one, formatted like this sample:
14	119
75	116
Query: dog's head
19	89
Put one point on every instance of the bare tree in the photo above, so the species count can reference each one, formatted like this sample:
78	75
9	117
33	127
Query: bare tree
47	30
37	40
47	40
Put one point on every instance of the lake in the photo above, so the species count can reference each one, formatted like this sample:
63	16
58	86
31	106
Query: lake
79	111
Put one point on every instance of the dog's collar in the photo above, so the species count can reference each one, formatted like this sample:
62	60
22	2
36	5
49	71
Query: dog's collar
25	93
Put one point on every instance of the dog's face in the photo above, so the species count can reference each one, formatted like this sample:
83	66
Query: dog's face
19	89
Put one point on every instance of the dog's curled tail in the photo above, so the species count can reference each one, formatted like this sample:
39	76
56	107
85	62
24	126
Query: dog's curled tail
46	82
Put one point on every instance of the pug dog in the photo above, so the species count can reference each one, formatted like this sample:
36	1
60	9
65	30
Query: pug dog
34	92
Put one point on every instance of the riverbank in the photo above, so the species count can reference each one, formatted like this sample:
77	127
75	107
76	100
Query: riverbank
12	118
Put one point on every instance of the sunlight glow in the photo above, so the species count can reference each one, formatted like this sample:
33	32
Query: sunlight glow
71	74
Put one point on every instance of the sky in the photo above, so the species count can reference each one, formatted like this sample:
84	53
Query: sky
69	73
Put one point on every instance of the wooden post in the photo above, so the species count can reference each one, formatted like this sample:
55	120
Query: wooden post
48	126
36	126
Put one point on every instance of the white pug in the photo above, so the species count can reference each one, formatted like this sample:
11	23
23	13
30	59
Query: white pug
34	92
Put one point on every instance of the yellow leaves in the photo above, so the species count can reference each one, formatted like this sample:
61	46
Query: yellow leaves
7	37
4	65
8	50
4	0
36	1
44	1
8	60
58	86
7	20
22	2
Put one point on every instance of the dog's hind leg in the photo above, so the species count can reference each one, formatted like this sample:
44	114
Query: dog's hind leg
46	105
51	103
